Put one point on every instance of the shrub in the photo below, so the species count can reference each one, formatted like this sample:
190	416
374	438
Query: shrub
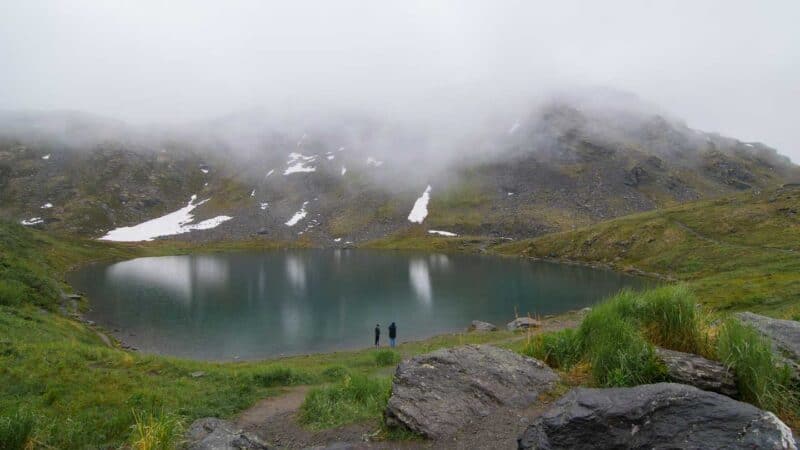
386	357
16	430
561	349
760	377
281	376
156	432
355	398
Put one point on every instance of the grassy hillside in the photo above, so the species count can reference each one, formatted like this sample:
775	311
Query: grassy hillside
737	253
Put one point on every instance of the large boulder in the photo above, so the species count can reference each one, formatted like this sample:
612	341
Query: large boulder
211	433
784	335
480	326
523	323
439	393
699	372
664	415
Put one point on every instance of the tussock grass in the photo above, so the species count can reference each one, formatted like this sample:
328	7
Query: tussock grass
761	377
616	338
16	430
355	398
387	357
156	432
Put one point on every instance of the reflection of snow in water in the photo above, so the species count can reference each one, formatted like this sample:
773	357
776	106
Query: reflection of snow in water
177	274
420	277
296	271
438	261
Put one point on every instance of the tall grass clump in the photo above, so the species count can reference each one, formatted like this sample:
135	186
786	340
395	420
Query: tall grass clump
282	376
560	349
355	398
671	318
156	432
16	430
761	378
618	353
386	357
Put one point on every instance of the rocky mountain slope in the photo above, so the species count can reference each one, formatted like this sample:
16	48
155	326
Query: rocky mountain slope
566	164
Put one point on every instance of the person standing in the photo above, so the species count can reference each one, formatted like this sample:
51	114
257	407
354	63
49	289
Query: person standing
392	335
377	335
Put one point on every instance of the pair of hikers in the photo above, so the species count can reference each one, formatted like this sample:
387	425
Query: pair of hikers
392	335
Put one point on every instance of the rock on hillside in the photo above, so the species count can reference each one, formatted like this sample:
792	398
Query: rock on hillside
663	415
439	393
699	372
784	335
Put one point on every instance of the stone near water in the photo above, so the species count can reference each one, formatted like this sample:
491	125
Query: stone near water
664	415
699	372
523	323
481	326
211	433
439	393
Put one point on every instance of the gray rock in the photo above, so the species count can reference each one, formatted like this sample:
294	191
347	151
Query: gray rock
523	323
211	433
439	393
664	415
699	372
784	335
480	326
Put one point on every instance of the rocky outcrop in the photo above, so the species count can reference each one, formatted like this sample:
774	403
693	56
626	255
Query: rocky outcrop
784	335
523	323
439	393
699	372
481	326
663	415
211	433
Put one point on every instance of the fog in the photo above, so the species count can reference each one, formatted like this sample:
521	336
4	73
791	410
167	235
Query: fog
727	66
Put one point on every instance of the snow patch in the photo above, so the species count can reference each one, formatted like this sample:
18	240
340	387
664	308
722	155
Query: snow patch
341	149
263	206
176	222
749	145
253	193
46	157
271	171
298	216
374	162
337	240
442	233
344	170
204	170
514	127
331	157
420	210
297	164
47	205
32	221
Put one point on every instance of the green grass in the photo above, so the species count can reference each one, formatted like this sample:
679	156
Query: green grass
762	379
386	357
156	432
16	430
353	399
616	338
283	376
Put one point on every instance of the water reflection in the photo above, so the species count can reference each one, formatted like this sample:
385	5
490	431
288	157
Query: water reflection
261	304
420	277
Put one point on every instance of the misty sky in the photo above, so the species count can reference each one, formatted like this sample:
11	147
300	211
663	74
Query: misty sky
728	66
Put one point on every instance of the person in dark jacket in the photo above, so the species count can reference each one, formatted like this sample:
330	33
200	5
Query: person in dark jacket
392	335
377	335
